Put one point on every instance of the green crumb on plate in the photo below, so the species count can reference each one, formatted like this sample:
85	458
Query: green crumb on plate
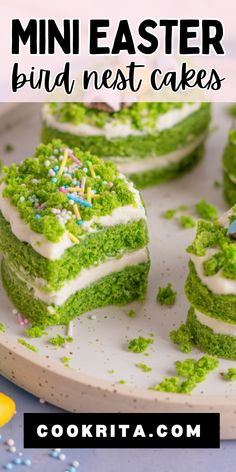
230	374
58	340
112	371
132	314
187	221
143	367
29	346
169	214
122	382
182	208
189	373
217	184
182	336
9	147
2	329
35	332
139	344
206	211
66	361
166	295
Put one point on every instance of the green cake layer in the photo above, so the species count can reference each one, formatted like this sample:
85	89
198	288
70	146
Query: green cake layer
229	166
165	174
95	248
117	288
222	307
229	190
207	340
151	144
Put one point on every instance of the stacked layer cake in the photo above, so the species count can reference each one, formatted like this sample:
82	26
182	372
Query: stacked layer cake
229	166
211	287
150	142
73	235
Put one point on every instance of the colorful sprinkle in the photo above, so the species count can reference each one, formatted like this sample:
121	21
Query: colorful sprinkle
63	162
80	222
73	238
79	200
89	198
10	442
47	163
54	180
12	449
37	217
8	466
17	461
62	457
27	462
83	183
76	212
92	171
54	454
75	464
51	173
56	168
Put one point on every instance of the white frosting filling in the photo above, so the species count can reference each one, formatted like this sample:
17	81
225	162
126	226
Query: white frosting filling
53	251
88	276
129	166
219	327
216	283
115	129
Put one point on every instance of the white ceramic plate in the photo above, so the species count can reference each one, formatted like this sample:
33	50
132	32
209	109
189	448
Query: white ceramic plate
100	345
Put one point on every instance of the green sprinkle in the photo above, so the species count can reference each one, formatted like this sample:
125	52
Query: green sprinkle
144	367
139	344
230	374
189	373
9	148
2	329
166	295
187	221
206	211
35	332
182	336
132	314
169	214
122	382
58	340
29	346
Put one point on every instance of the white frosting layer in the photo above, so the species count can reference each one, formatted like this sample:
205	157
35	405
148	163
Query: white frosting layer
129	166
219	327
88	276
53	251
216	283
115	129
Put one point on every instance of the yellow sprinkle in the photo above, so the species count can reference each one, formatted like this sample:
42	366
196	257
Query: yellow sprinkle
93	195
76	211
73	238
89	195
75	189
63	162
91	168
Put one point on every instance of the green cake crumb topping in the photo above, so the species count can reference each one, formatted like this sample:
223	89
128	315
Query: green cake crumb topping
139	344
60	340
187	221
29	346
231	374
132	314
65	360
140	115
38	188
35	332
112	371
2	328
206	211
213	235
122	382
182	336
143	367
189	373
9	148
166	295
169	214
217	184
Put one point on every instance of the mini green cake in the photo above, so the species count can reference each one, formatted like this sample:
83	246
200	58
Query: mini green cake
229	168
149	142
73	235
211	287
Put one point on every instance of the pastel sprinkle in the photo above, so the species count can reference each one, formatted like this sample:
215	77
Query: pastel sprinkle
75	189
73	238
54	454
37	217
80	200
51	173
17	461
10	442
63	162
54	180
63	189
56	168
91	168
8	466
47	163
75	464
27	462
72	469
22	199
12	449
76	211
89	198
80	222
85	170
62	457
83	182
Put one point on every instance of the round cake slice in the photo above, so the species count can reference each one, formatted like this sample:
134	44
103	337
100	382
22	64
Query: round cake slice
150	142
229	168
73	235
211	287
